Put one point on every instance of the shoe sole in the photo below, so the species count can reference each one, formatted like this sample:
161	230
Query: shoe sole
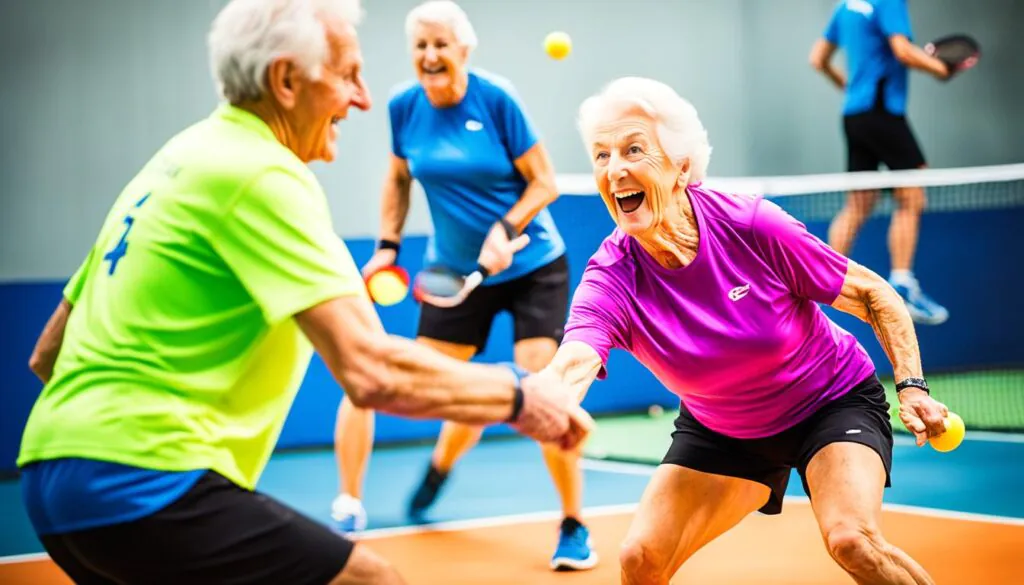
567	564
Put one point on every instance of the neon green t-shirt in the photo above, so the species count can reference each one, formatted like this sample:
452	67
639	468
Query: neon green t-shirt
180	351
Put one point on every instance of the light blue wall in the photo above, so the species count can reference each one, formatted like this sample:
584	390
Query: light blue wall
91	89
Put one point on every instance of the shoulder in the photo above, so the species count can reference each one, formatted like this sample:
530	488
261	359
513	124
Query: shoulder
494	87
402	95
735	209
612	264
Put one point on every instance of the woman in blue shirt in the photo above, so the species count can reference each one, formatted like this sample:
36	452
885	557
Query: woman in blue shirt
464	135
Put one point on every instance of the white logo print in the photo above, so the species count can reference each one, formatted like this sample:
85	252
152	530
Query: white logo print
853	432
474	126
739	292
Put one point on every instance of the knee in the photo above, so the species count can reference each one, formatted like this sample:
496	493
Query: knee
639	565
911	200
858	549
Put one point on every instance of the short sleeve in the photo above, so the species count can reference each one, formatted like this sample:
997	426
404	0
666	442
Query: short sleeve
832	29
809	267
894	18
396	116
74	286
279	242
597	316
516	127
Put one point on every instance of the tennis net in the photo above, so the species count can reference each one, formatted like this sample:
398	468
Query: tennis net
969	258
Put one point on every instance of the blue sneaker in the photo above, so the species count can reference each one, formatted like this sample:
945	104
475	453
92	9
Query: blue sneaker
427	492
922	308
573	552
349	514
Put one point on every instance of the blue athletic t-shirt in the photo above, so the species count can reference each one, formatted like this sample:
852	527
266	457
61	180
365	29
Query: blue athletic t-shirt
464	158
862	29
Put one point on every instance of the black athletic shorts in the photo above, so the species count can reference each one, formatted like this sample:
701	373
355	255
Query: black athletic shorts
859	416
538	302
217	533
878	137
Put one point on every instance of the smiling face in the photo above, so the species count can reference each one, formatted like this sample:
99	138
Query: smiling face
636	178
319	104
438	59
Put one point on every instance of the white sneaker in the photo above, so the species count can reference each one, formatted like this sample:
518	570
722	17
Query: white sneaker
349	513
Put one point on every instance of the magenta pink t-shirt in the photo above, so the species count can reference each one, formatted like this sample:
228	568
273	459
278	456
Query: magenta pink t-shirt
738	333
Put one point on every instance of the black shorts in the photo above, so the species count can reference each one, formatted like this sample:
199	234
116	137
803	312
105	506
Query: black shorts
217	533
538	302
878	137
769	460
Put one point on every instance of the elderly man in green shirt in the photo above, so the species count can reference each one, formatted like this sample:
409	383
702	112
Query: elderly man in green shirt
172	361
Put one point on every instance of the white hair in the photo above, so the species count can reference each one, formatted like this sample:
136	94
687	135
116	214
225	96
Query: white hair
680	131
248	35
445	13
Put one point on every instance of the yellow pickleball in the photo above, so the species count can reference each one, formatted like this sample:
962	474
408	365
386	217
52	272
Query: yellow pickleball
388	286
558	45
953	436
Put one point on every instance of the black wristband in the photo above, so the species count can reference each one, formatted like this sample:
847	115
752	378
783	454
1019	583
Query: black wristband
519	398
918	383
390	245
510	230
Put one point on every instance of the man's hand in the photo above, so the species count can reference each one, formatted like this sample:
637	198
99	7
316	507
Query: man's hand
922	415
551	414
381	259
497	251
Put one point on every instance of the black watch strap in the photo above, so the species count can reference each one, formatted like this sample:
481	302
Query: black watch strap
510	230
390	245
919	383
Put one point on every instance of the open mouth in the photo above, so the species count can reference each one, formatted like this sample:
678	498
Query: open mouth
630	201
435	69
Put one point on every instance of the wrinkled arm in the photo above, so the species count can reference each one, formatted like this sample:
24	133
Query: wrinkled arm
577	365
399	376
535	166
44	355
394	199
867	296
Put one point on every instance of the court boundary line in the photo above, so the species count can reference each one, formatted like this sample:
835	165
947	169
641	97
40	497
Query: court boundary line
592	512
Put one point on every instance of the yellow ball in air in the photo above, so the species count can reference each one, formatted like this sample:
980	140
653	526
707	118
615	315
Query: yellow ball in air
558	45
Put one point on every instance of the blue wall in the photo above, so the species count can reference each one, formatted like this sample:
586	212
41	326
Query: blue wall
969	259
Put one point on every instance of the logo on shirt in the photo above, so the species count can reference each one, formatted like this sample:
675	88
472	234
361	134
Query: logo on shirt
474	126
861	6
739	292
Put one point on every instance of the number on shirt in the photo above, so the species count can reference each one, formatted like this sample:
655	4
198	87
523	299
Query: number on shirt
114	256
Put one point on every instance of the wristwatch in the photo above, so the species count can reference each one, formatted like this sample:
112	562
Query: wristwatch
918	383
517	404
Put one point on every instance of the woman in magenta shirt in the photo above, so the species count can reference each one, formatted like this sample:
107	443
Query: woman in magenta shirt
718	296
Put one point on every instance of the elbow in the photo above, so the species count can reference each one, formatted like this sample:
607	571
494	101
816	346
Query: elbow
369	384
37	364
816	62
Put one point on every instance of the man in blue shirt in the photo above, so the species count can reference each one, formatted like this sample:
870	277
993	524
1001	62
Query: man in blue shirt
465	137
876	36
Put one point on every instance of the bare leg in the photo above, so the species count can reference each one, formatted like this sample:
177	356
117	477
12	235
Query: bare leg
846	481
353	443
533	355
456	439
366	567
905	225
847	223
681	511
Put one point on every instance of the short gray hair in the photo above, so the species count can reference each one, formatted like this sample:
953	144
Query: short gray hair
248	35
445	13
680	131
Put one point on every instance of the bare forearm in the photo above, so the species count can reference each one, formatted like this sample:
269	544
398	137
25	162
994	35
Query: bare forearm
418	382
537	195
835	76
394	208
916	58
895	331
47	347
577	366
